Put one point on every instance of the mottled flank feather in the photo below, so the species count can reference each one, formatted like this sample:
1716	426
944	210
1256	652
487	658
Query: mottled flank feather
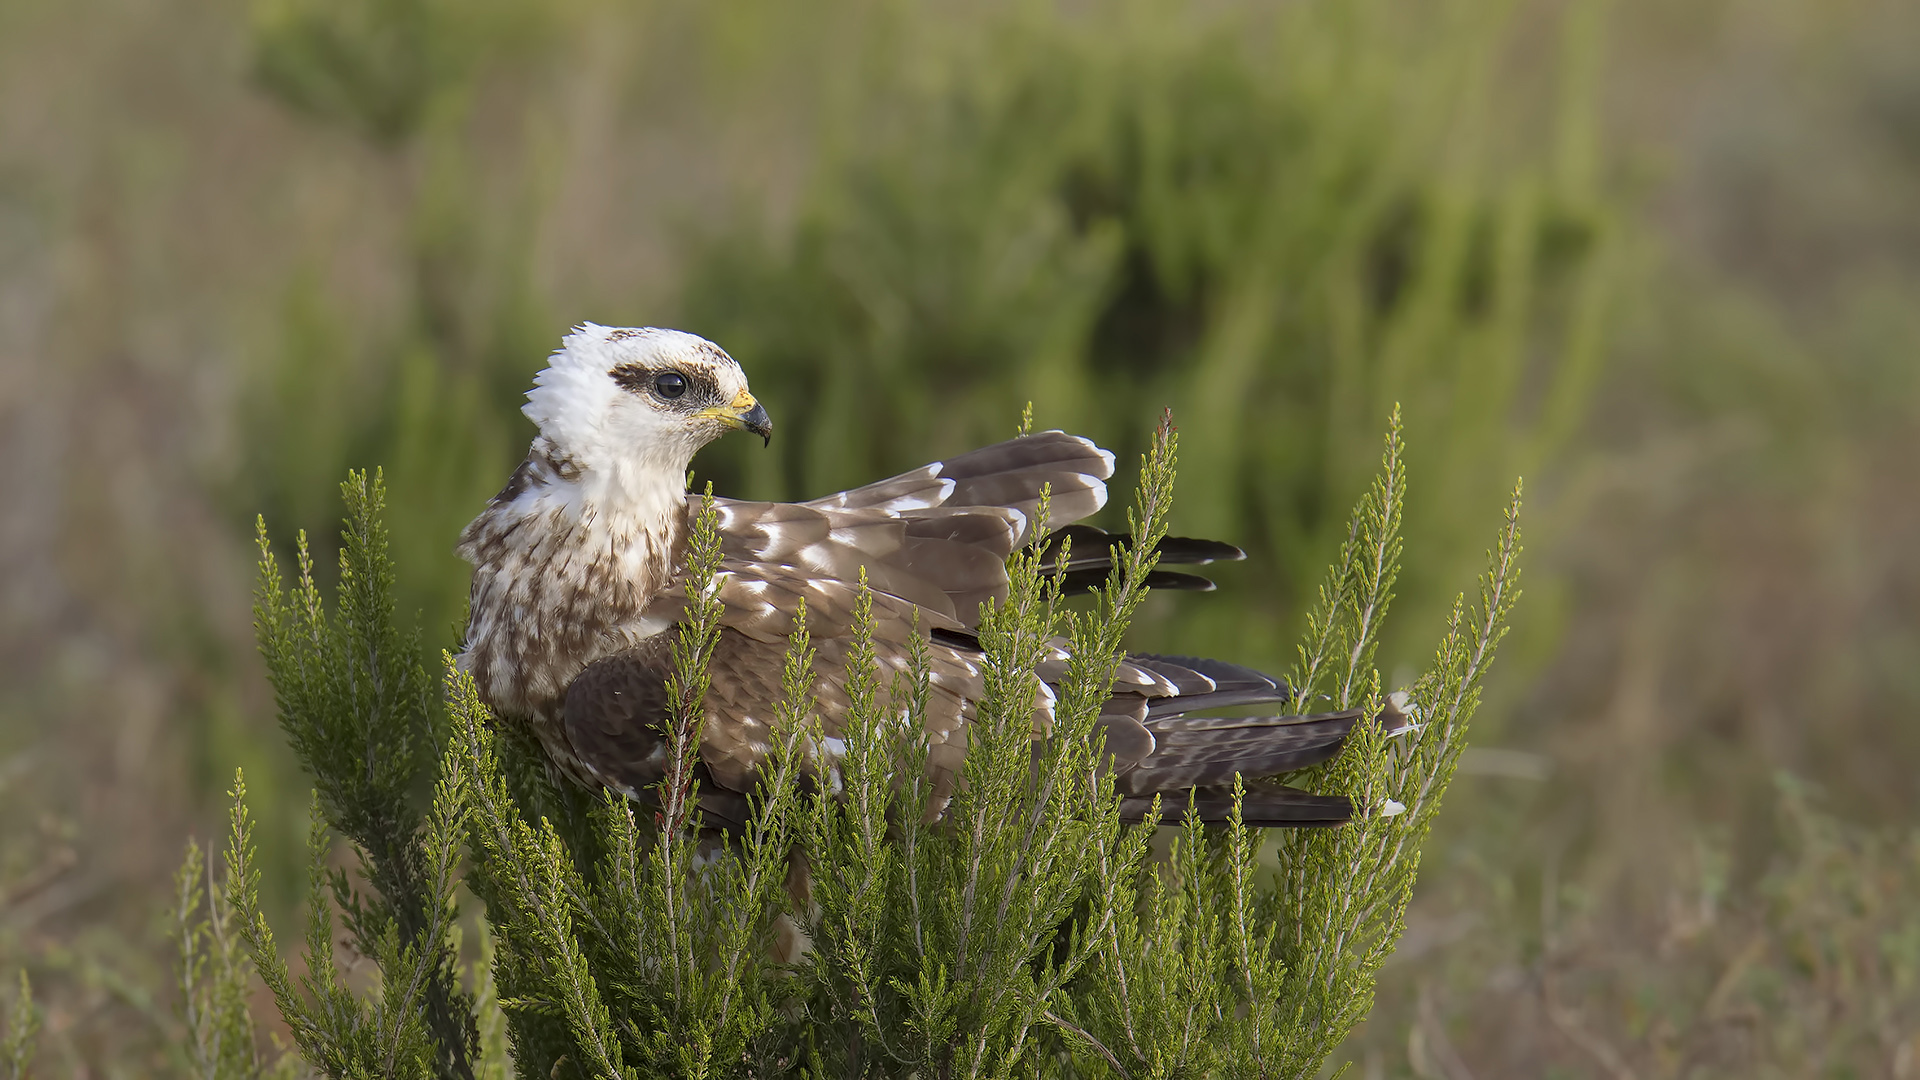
577	588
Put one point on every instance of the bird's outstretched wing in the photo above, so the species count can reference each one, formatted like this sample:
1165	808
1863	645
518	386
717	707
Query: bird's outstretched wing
933	545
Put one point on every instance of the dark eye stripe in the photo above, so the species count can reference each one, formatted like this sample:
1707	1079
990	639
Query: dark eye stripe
642	380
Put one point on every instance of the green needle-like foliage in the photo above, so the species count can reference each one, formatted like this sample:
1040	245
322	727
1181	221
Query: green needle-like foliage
20	1037
863	923
362	714
215	978
950	950
1348	888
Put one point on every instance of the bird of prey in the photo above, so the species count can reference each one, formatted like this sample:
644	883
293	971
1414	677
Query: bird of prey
577	595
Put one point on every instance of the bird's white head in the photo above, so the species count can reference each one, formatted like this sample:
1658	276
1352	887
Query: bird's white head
583	536
627	406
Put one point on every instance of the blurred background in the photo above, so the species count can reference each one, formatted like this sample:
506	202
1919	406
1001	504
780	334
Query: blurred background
1661	259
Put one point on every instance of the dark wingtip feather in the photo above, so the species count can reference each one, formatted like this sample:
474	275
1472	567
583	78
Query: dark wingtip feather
1076	582
1262	806
1234	686
1189	551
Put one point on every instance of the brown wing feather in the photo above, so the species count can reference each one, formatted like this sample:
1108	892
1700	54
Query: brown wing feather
933	544
919	488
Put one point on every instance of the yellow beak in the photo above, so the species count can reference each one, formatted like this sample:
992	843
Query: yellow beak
742	413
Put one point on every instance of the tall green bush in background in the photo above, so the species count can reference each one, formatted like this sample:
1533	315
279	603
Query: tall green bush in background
1277	226
431	394
1027	933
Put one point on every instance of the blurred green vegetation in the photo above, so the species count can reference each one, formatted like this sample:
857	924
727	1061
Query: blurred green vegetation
1276	231
1659	258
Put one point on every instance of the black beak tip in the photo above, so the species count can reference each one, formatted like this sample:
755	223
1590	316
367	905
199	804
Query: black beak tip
757	421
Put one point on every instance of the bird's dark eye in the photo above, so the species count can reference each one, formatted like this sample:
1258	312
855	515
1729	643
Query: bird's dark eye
669	384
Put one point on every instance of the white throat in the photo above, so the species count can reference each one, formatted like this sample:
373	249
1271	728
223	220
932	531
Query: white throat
637	493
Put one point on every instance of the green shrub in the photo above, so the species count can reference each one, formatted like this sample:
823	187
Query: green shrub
1029	932
1277	226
